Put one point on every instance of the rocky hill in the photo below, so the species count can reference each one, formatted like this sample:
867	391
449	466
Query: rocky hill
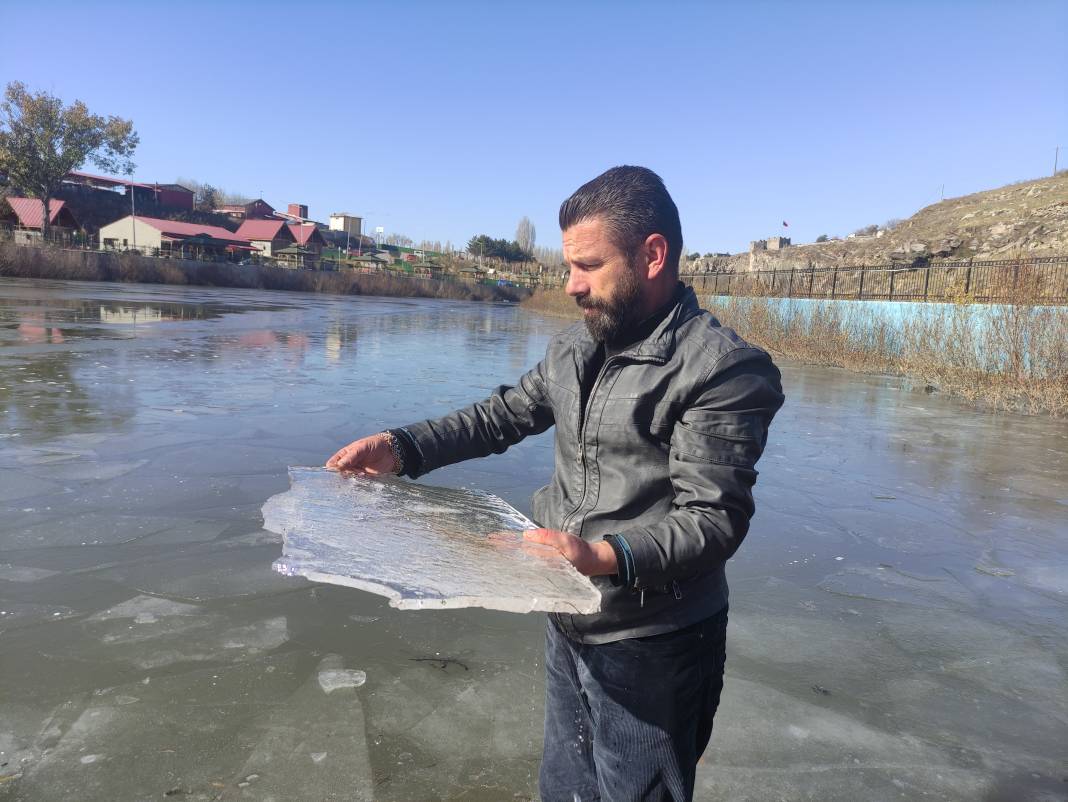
1029	218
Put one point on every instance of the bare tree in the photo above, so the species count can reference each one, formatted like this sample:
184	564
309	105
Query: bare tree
207	197
401	240
525	234
553	257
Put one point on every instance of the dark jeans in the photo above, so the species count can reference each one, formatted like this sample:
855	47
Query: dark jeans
627	721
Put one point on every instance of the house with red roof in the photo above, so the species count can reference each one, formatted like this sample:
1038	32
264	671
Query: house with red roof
307	236
173	238
25	215
268	236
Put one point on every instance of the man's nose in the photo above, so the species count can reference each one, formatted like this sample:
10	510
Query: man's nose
576	285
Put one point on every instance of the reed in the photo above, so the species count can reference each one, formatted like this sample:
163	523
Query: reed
20	261
1010	356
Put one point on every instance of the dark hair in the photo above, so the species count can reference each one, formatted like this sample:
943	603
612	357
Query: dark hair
634	203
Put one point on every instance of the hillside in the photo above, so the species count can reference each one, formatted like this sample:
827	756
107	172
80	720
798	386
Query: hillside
1029	218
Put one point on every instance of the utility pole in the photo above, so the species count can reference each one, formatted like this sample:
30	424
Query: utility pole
1056	154
133	216
942	192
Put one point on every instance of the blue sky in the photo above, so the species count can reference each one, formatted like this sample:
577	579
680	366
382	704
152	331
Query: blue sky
443	120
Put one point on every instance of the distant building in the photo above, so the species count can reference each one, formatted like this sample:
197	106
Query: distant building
758	245
187	240
174	196
258	209
472	275
298	210
347	223
370	261
778	243
267	236
169	196
28	214
307	236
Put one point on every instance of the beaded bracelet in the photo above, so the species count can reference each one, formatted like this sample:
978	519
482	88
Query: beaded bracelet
398	453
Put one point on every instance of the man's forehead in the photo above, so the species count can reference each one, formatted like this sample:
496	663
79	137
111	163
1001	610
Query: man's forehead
588	236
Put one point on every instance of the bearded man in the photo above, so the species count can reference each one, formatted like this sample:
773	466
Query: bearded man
661	415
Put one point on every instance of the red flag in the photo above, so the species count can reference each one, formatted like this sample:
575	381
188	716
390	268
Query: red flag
785	224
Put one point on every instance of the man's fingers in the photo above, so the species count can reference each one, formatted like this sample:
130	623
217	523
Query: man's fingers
539	549
351	456
543	541
546	536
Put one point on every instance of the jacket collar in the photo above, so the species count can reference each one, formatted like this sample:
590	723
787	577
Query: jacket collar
660	345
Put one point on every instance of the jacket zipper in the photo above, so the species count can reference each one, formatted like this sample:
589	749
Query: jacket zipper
582	443
582	432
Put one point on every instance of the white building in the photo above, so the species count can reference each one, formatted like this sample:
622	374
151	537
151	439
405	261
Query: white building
350	224
150	234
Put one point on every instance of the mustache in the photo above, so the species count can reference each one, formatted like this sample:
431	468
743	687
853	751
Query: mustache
588	302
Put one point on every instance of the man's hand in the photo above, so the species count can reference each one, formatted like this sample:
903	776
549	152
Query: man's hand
590	559
371	455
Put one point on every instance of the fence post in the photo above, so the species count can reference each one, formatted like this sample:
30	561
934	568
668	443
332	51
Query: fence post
860	285
790	291
926	280
834	280
968	279
891	285
811	278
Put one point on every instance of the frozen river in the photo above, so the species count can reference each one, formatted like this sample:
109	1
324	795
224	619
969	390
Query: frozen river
898	613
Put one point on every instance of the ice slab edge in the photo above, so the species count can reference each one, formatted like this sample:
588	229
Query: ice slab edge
422	547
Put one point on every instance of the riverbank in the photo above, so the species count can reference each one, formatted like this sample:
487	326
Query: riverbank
19	261
554	302
1011	356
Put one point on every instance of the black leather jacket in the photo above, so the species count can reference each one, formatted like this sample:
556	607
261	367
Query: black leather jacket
663	455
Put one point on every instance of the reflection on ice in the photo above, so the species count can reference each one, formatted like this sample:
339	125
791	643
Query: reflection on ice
421	546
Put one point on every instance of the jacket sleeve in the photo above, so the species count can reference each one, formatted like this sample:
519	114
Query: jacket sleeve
488	427
713	454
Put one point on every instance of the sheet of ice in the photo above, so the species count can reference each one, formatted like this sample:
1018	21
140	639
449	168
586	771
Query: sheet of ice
420	546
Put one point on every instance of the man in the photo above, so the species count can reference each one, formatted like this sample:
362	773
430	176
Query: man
660	418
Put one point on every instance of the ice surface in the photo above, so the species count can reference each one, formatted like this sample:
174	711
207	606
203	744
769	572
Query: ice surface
931	662
420	546
332	679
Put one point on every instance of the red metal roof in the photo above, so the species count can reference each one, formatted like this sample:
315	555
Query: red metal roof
30	211
262	230
108	180
178	229
303	233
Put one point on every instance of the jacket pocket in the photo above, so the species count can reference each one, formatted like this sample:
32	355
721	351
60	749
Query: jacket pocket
721	437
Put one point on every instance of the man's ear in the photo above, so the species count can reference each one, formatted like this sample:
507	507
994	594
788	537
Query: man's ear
654	255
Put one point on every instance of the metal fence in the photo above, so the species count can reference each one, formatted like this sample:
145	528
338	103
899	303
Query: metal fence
1041	280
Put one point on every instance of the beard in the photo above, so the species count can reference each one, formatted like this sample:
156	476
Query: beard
611	316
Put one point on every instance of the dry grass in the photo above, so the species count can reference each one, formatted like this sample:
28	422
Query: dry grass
552	302
1011	356
54	263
